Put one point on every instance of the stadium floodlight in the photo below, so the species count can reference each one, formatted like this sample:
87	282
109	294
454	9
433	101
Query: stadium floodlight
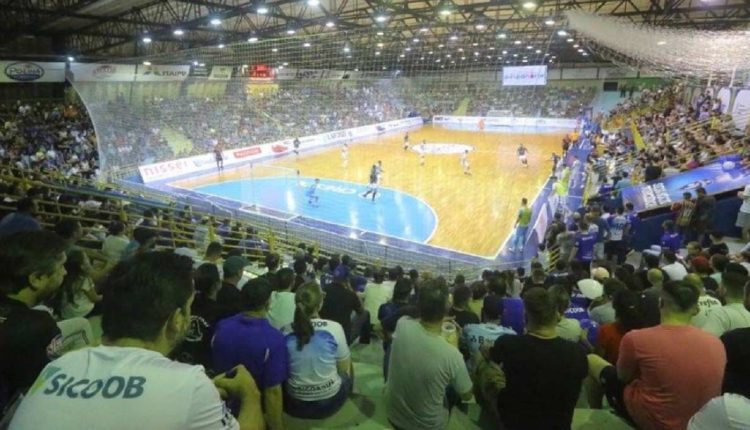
585	54
538	51
262	10
330	24
380	45
460	49
580	50
529	5
529	47
453	37
285	63
313	3
178	32
347	49
515	55
463	58
71	59
252	39
215	21
505	52
146	63
501	36
430	53
524	61
274	49
480	26
202	64
281	67
407	48
661	42
575	45
377	52
306	44
562	33
448	55
424	29
221	46
445	12
402	55
195	63
381	18
290	31
146	40
570	40
415	40
441	46
550	22
380	33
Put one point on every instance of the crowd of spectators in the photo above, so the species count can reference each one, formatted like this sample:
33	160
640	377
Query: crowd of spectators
544	102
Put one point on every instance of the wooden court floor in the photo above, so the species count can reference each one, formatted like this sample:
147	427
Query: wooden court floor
475	213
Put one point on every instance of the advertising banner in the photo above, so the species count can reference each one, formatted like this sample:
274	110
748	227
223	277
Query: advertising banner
156	73
175	168
725	95
524	75
220	73
481	122
96	72
583	73
31	71
723	175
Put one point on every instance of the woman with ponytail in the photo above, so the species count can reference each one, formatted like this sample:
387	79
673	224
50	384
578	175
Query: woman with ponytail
320	374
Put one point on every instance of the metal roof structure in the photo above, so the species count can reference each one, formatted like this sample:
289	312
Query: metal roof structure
91	30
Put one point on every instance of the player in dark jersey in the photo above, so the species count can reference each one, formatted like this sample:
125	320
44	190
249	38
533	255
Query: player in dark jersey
296	144
406	141
219	156
372	188
522	152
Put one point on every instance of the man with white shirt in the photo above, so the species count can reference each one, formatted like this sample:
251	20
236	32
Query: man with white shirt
733	314
281	312
675	270
128	382
706	303
376	294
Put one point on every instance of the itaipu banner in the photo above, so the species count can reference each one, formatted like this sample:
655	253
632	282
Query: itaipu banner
724	174
524	75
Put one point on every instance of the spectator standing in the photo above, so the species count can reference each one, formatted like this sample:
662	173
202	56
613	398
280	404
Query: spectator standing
664	374
415	394
685	215
522	226
146	313
377	294
115	243
204	314
733	314
703	220
583	248
339	304
534	380
670	239
460	309
248	338
615	248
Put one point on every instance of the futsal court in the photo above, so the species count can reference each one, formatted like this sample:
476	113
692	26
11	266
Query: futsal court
434	203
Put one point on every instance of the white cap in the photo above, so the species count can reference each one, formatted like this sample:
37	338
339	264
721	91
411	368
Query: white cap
590	288
728	412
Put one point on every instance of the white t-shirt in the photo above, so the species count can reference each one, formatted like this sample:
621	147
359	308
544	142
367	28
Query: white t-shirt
706	304
313	374
727	318
114	246
376	295
79	305
281	311
109	387
675	271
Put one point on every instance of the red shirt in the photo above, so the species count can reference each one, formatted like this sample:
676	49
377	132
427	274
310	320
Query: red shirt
677	369
609	339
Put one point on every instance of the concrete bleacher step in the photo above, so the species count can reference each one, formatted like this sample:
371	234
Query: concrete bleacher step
365	409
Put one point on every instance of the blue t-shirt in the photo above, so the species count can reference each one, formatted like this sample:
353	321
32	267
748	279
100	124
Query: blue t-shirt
671	241
16	222
254	343
311	190
617	226
585	246
634	222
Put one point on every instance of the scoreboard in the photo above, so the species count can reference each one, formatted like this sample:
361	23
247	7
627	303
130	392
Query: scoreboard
261	72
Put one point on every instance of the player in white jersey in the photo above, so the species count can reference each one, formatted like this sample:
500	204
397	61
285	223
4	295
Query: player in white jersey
422	150
522	155
406	141
465	162
345	155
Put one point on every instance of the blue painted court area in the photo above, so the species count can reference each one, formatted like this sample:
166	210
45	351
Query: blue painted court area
393	213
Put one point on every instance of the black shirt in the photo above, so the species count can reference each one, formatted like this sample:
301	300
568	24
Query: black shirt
196	348
29	339
229	300
652	173
338	306
543	381
464	317
737	371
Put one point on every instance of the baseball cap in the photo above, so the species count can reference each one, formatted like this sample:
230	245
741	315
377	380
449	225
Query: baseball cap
235	264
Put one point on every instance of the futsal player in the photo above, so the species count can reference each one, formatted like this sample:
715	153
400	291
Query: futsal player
555	162
465	162
219	156
522	155
296	144
422	150
406	141
372	188
311	193
345	155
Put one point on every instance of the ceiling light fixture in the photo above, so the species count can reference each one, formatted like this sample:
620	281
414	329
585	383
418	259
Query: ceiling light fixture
146	39
501	36
178	32
562	33
330	24
146	63
313	3
381	18
445	12
215	21
529	5
480	26
262	10
252	39
550	22
221	46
